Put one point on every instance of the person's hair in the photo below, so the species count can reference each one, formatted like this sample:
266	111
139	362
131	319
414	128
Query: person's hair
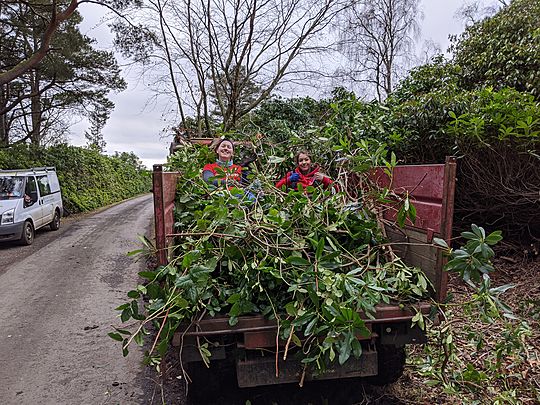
301	152
221	141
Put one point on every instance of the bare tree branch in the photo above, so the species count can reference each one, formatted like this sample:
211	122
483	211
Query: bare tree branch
377	36
236	52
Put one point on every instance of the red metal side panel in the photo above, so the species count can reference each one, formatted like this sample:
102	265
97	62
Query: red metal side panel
169	193
431	189
164	188
422	181
425	186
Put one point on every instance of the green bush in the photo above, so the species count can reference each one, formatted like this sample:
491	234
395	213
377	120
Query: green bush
88	179
503	50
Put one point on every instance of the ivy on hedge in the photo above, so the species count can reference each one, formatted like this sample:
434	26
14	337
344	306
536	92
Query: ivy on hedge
88	179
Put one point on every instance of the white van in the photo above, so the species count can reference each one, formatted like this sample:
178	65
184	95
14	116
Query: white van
29	199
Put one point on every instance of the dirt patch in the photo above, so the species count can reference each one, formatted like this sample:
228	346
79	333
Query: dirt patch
517	379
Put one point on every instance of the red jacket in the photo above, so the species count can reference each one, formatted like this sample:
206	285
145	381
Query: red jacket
234	172
305	179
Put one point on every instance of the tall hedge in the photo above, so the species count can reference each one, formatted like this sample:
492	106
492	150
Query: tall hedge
88	179
503	50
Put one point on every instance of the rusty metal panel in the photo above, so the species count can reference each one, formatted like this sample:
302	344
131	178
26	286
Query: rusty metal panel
431	189
169	195
164	189
447	220
159	215
421	181
428	215
267	338
261	339
262	370
384	312
219	324
425	186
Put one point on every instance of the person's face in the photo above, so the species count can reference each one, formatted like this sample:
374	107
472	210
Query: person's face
225	151
304	162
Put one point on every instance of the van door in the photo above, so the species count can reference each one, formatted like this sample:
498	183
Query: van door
31	206
46	199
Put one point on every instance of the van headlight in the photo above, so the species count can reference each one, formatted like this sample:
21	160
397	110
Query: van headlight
8	216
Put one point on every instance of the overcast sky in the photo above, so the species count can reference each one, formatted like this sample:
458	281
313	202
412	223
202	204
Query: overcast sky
137	123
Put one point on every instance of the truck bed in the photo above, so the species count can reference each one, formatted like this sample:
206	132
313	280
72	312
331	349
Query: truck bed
430	189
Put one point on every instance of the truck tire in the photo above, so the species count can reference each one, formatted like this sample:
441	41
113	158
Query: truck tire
28	233
55	223
391	363
208	384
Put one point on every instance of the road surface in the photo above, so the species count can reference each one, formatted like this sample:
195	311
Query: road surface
57	302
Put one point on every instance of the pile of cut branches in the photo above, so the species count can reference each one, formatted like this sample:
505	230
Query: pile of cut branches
311	259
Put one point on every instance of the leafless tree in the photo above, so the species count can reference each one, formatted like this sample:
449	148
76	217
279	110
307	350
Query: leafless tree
377	38
429	50
216	52
473	11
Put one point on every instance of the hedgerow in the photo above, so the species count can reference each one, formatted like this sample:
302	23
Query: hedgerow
88	179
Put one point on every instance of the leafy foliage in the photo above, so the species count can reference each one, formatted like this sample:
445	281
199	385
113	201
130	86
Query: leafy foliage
503	50
88	179
480	350
279	118
309	259
493	116
493	132
473	260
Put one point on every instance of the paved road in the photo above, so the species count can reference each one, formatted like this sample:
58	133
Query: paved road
57	306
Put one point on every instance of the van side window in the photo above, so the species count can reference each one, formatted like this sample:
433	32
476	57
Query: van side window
31	188
11	187
53	181
44	187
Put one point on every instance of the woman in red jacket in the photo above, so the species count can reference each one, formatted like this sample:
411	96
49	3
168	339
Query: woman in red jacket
306	174
223	171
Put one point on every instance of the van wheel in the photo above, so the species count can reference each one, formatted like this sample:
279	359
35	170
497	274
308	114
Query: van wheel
55	224
27	234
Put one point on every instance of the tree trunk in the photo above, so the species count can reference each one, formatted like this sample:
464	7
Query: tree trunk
35	106
35	100
4	140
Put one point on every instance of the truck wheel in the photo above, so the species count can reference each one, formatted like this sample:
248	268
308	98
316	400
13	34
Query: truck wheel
207	383
391	363
27	236
55	224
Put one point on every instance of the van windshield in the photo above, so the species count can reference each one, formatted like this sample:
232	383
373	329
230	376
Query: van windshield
11	187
